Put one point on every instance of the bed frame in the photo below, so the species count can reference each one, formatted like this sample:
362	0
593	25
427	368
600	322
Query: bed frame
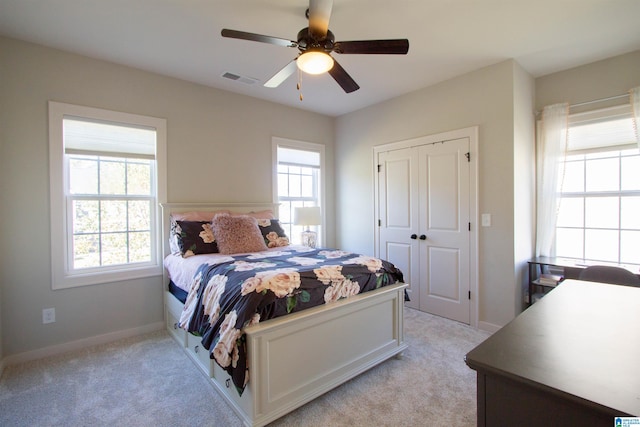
342	339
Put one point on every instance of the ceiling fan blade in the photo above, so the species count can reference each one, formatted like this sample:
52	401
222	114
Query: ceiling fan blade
319	15
258	38
390	47
343	78
282	75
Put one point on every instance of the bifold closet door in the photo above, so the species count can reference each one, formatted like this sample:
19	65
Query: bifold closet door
423	211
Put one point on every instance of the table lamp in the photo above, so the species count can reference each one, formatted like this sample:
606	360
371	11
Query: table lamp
306	217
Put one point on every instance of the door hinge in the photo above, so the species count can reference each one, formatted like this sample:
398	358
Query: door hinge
379	168
469	226
469	294
468	156
379	223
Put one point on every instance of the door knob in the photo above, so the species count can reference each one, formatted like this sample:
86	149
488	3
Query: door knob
414	236
423	237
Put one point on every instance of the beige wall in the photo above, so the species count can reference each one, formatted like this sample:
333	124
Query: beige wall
485	98
219	149
524	179
599	80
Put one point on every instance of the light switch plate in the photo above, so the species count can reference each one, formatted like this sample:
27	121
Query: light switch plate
486	220
48	315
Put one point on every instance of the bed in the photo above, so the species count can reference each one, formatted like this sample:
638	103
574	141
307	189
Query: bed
292	351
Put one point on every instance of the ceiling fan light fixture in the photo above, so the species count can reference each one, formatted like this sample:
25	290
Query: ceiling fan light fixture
314	62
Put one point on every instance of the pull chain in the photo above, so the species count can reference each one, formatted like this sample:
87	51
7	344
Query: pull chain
299	85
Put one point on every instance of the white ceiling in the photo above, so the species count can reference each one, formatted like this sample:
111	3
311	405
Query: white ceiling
447	38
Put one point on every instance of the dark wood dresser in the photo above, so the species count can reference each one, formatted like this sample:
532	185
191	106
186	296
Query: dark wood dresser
572	359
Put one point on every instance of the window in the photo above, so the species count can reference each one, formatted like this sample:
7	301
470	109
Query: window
299	177
107	178
599	216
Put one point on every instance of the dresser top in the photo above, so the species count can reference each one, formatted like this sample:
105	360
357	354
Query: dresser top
581	341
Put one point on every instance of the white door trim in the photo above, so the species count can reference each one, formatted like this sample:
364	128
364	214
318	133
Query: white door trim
472	134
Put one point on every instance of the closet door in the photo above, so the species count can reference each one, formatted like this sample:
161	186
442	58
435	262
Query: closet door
423	223
398	215
444	229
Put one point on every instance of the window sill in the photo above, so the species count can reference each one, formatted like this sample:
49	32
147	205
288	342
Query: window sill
77	280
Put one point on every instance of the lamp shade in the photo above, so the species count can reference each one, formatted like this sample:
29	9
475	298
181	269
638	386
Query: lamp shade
307	216
313	62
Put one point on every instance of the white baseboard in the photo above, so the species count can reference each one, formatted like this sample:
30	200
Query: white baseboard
54	350
489	327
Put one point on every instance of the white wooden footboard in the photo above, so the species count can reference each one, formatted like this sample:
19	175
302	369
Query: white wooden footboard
296	358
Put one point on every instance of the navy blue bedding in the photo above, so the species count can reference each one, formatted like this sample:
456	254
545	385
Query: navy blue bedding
247	289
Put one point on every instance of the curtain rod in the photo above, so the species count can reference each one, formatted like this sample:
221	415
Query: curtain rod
593	101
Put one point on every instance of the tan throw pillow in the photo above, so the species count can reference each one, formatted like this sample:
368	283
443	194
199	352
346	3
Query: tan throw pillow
237	234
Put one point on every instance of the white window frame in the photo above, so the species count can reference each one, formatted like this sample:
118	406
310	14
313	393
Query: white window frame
305	146
64	276
597	115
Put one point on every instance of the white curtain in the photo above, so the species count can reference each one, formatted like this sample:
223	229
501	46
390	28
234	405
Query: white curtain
634	95
551	149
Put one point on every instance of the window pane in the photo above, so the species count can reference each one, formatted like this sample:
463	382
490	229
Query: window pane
630	213
571	212
630	173
140	247
307	186
83	176
139	178
601	245
573	177
285	212
86	251
294	186
139	215
603	175
283	184
113	214
630	247
569	243
602	212
86	216
112	177
114	248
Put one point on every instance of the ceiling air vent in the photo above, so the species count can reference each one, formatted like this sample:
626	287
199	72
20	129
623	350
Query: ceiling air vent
239	78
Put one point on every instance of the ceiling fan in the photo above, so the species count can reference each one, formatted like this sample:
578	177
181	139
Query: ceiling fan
315	44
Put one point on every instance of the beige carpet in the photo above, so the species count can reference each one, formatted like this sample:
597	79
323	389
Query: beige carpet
149	381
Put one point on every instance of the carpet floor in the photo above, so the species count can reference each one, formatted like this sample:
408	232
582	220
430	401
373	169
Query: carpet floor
149	381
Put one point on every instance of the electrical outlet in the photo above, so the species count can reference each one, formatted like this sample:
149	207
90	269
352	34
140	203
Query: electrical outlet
48	315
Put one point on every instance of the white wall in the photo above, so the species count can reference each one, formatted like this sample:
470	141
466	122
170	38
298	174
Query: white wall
219	149
485	98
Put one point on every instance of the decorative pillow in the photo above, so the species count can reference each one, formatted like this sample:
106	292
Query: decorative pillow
174	235
237	234
273	233
194	238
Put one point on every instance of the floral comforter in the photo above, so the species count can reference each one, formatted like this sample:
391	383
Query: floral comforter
239	291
